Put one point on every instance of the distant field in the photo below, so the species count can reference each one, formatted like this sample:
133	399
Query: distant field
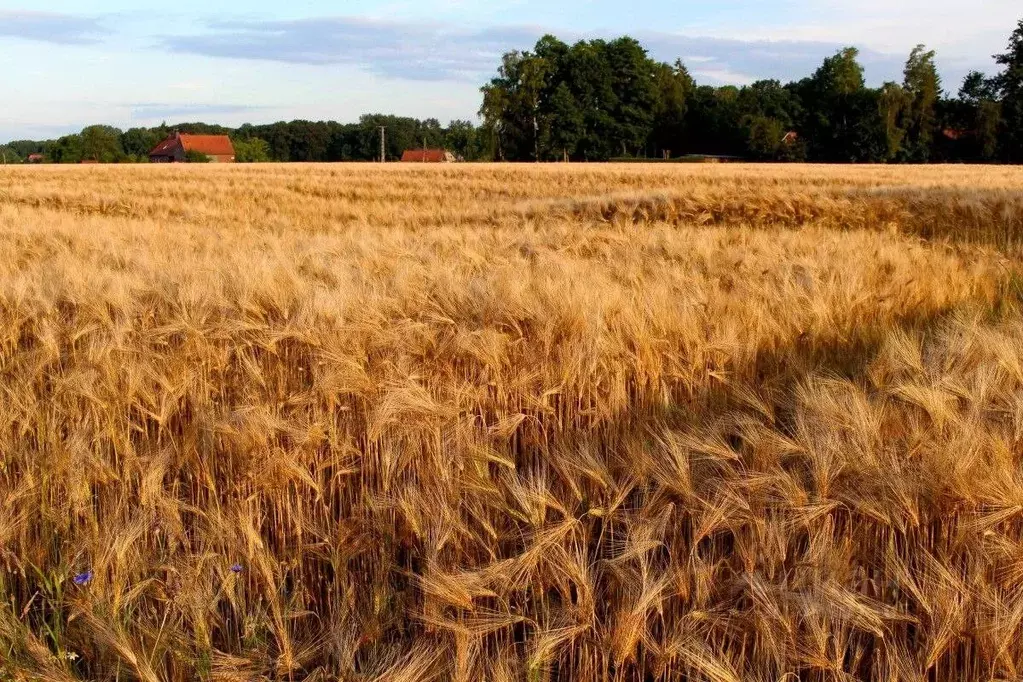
586	422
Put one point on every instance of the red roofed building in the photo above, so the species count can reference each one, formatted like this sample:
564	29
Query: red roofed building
427	156
176	147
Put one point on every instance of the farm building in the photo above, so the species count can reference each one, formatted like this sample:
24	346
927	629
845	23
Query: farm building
176	148
427	156
35	158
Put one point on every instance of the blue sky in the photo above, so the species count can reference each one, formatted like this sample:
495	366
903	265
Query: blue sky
65	64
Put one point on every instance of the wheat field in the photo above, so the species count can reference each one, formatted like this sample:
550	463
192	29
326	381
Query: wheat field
490	423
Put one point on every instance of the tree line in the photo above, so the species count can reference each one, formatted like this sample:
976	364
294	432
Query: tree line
598	100
311	141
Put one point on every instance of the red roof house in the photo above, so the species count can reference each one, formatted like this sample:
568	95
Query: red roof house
427	156
176	147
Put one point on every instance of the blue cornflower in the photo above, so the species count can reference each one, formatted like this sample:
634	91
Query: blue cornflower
82	578
236	568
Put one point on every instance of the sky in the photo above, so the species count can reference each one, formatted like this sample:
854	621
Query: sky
65	64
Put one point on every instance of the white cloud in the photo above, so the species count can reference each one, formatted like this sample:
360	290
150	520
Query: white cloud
440	52
411	50
50	27
967	30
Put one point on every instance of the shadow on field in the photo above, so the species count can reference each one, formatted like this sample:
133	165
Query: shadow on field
686	497
980	217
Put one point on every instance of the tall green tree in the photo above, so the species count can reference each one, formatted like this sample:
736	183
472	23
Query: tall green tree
593	100
102	143
841	74
251	150
568	122
9	155
843	121
974	119
463	139
893	104
713	122
922	86
589	77
67	149
138	142
1010	86
634	82
674	88
534	72
511	104
767	112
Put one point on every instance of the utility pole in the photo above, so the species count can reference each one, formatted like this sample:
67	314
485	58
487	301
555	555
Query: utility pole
383	144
